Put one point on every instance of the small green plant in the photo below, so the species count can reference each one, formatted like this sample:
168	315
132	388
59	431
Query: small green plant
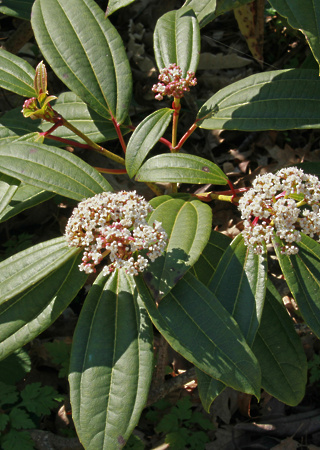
59	352
181	424
22	410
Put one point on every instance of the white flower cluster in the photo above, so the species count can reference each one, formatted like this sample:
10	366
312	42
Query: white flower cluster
114	224
274	204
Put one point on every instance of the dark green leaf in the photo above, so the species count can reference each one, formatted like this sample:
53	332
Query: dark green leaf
240	285
16	74
8	187
305	16
59	353
204	269
177	40
302	273
209	388
144	137
279	351
204	10
26	268
38	399
206	265
181	168
4	419
275	100
25	197
51	169
196	325
111	363
228	5
8	394
25	316
13	126
114	5
15	367
16	440
178	439
188	225
90	58
85	119
20	419
17	8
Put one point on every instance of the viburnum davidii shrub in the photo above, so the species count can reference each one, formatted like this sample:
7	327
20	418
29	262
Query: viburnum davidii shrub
155	263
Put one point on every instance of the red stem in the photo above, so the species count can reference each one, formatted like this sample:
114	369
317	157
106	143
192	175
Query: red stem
119	134
112	171
162	140
51	130
166	142
68	142
234	194
186	135
233	191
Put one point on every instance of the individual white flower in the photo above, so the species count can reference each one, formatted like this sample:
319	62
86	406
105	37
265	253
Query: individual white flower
272	206
114	225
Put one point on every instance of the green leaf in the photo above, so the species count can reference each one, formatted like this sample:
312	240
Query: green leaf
207	263
204	269
188	225
114	5
144	138
207	10
15	366
51	169
181	168
209	388
240	284
8	187
13	126
25	316
8	394
16	74
75	111
99	74
168	423
25	197
275	100
197	326
38	399
228	5
111	363
26	268
16	440
177	40
178	439
204	10
280	353
305	16
17	8
59	352
4	419
20	419
302	273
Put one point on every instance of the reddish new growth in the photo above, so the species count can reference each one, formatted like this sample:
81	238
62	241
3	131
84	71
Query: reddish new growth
172	84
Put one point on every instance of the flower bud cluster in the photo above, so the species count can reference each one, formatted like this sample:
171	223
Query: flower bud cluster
114	224
285	203
172	84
